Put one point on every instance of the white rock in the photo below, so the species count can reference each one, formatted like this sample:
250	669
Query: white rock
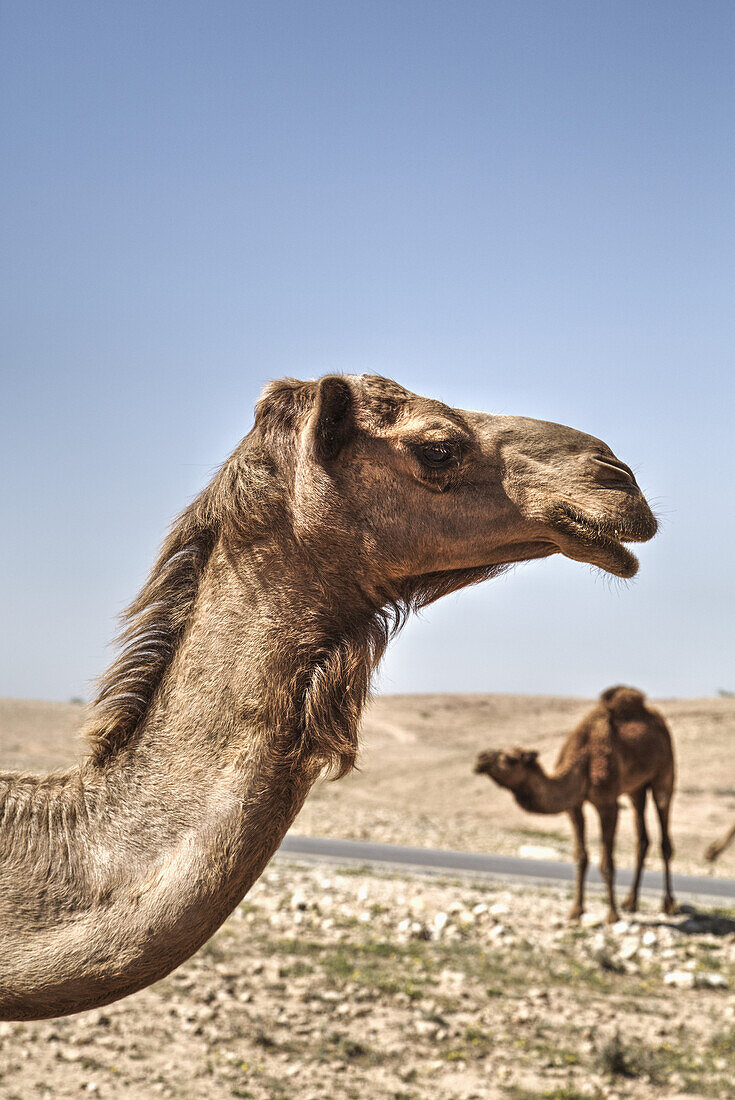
682	979
537	851
440	921
498	909
710	980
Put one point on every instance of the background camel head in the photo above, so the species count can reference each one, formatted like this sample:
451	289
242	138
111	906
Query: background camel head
508	769
407	495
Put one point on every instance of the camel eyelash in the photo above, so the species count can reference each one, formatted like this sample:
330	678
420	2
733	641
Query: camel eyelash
437	455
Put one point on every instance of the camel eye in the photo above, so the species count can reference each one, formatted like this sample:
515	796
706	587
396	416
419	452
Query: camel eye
437	455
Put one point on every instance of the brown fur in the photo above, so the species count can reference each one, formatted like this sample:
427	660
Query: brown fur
717	847
622	747
246	660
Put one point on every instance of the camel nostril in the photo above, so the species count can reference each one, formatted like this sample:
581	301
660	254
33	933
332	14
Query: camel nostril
612	470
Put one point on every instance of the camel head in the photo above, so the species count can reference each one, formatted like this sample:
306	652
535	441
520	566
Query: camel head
412	498
508	769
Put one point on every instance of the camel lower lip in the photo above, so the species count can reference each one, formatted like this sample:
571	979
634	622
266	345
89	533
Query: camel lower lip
596	541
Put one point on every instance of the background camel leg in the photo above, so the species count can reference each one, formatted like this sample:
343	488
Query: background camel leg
662	797
608	822
576	817
718	846
638	798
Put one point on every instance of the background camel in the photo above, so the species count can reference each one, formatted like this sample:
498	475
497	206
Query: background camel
621	747
247	657
717	847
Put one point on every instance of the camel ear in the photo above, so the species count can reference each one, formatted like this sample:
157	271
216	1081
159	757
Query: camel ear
529	757
332	422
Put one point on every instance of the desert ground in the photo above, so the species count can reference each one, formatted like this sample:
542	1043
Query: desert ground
351	983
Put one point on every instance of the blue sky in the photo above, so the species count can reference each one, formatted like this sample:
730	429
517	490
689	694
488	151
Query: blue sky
521	207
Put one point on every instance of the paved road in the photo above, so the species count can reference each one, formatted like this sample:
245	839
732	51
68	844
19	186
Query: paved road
508	868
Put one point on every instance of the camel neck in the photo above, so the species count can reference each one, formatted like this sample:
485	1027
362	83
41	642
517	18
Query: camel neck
149	851
541	793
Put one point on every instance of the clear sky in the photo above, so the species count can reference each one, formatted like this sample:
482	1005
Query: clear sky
518	206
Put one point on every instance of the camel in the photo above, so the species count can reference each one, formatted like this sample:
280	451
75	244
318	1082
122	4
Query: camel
717	847
621	747
247	656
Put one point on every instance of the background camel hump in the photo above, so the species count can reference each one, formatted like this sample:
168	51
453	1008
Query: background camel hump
624	702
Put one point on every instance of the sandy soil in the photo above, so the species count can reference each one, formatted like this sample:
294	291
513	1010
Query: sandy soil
363	985
415	784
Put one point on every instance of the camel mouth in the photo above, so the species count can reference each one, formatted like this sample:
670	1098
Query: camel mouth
599	539
484	762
